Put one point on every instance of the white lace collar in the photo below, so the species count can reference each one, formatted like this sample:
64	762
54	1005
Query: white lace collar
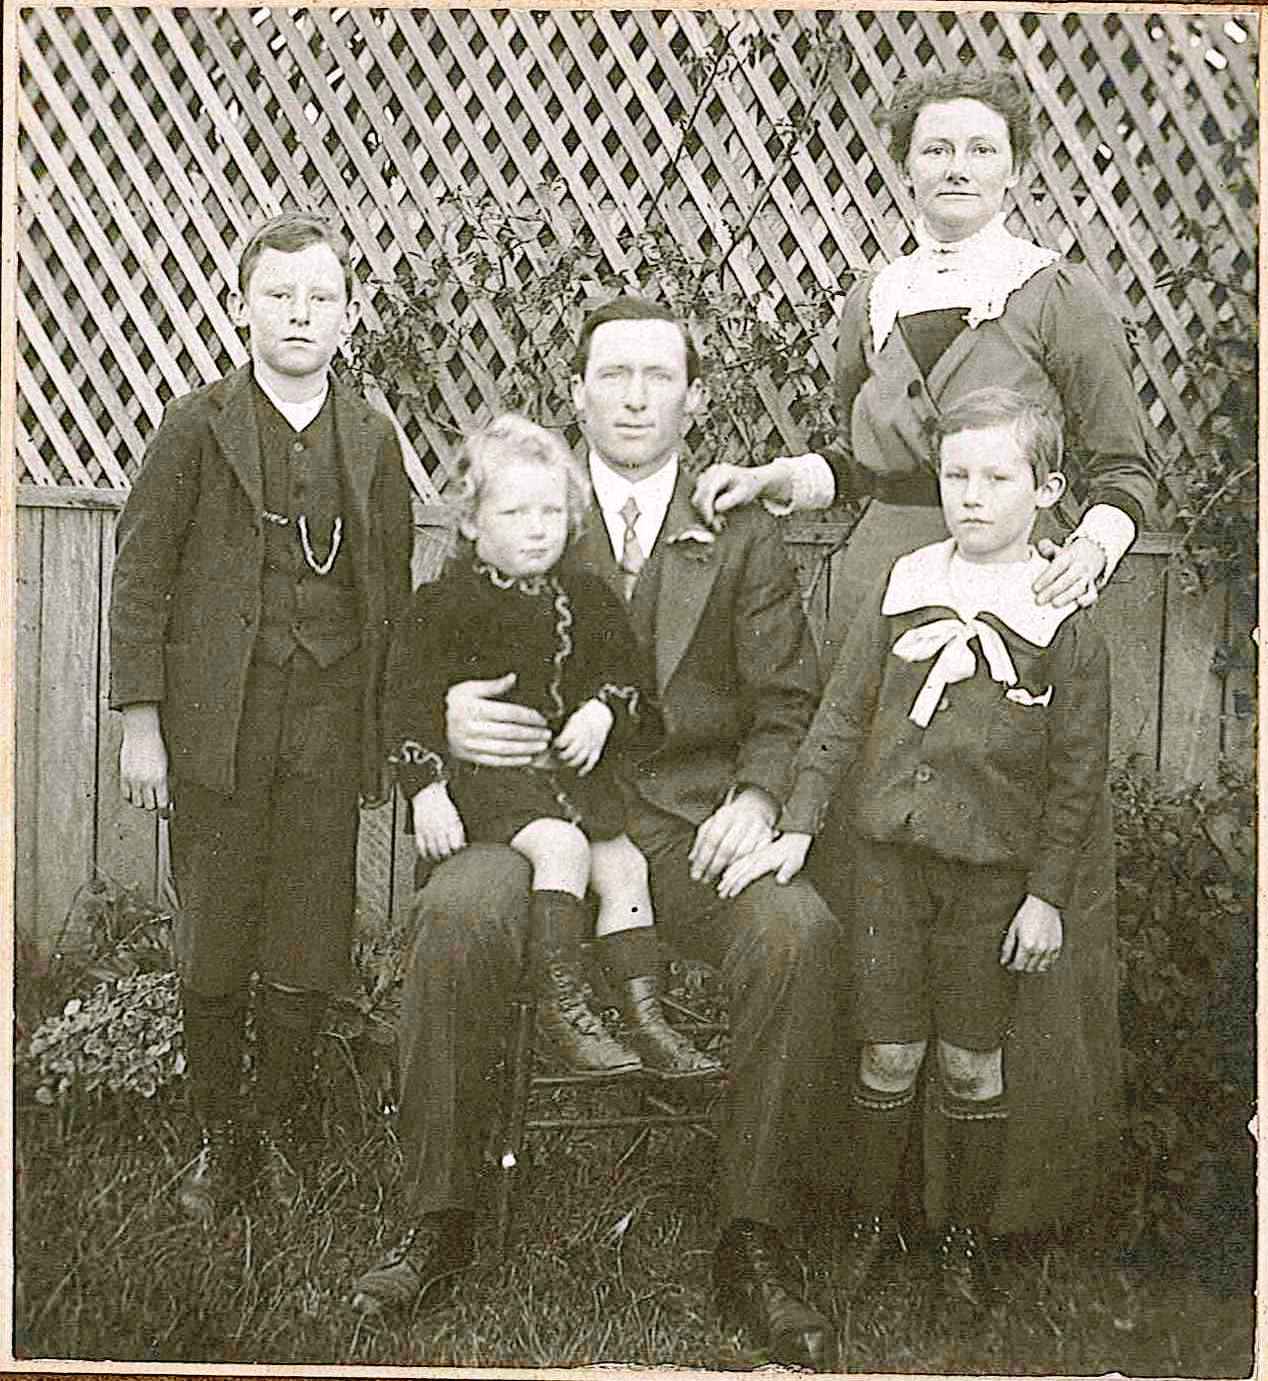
979	273
925	578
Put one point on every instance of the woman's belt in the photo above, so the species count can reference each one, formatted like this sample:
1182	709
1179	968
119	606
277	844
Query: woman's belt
919	489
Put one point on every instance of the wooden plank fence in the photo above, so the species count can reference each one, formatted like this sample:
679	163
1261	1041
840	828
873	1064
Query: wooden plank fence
1173	710
150	139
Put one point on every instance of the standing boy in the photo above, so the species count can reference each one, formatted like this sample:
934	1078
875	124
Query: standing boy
976	722
263	558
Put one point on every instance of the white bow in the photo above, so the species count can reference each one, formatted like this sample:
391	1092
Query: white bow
950	638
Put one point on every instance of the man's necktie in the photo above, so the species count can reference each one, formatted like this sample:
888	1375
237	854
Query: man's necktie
632	557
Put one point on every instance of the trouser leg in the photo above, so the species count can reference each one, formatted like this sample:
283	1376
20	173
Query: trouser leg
471	918
286	1025
778	951
213	1028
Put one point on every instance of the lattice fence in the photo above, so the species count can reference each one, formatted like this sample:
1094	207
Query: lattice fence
150	139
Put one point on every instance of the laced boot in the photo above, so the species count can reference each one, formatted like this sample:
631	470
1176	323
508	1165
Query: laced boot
213	1034
757	1291
210	1184
277	1172
420	1267
286	1024
867	1238
565	1020
964	1270
661	1049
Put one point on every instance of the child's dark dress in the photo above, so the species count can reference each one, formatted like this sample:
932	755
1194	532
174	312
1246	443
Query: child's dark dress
567	638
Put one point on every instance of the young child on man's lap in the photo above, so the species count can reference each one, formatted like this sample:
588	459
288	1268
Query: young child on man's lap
975	724
507	605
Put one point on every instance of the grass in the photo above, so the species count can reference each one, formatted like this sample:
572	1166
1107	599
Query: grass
610	1263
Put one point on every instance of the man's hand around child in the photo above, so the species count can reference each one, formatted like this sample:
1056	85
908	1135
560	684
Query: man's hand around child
1033	941
580	742
785	857
438	830
483	728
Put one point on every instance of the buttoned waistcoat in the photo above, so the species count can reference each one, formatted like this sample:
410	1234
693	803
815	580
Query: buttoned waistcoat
186	597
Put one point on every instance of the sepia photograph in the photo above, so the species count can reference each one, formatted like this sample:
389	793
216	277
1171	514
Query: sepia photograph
812	453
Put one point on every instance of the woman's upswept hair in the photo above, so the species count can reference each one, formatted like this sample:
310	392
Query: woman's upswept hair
1002	90
511	437
1036	427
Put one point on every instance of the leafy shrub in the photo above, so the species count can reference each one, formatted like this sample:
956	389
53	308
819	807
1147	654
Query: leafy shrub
125	1036
1186	903
495	303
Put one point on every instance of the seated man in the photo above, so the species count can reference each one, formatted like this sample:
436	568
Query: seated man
737	676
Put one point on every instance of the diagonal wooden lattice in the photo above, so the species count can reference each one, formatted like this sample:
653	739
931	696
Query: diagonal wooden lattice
151	139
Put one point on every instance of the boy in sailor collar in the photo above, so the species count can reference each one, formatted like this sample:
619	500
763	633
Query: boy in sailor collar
263	561
976	722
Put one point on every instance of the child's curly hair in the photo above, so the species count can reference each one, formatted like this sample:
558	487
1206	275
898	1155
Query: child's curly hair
512	437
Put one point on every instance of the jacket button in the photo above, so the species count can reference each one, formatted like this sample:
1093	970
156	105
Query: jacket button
913	389
924	772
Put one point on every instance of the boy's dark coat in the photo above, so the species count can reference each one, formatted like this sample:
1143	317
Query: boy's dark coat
186	598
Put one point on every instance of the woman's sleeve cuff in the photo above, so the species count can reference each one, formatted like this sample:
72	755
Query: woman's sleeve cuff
1112	530
811	485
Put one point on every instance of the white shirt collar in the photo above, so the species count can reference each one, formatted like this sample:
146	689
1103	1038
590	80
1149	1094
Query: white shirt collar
299	415
653	496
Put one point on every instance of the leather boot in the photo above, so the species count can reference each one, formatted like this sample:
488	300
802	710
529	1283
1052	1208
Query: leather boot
211	1183
213	1038
662	1050
565	1021
420	1268
277	1173
965	1276
758	1291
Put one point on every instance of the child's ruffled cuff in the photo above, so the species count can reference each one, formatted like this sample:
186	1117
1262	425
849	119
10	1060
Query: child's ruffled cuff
417	767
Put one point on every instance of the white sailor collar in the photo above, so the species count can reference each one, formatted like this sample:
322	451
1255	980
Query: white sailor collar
922	580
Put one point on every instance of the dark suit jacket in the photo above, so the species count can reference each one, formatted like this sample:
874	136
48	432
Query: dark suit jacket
186	597
736	666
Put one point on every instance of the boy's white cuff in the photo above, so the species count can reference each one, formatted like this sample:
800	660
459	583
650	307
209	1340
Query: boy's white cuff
1112	530
811	484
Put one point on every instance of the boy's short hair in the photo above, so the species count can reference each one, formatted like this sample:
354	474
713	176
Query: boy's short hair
1037	428
630	308
511	436
289	232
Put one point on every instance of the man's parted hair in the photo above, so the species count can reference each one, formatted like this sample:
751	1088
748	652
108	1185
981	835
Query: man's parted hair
631	308
1005	93
289	232
511	437
1036	427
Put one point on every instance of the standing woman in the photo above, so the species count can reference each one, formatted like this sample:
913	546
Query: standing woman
973	306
